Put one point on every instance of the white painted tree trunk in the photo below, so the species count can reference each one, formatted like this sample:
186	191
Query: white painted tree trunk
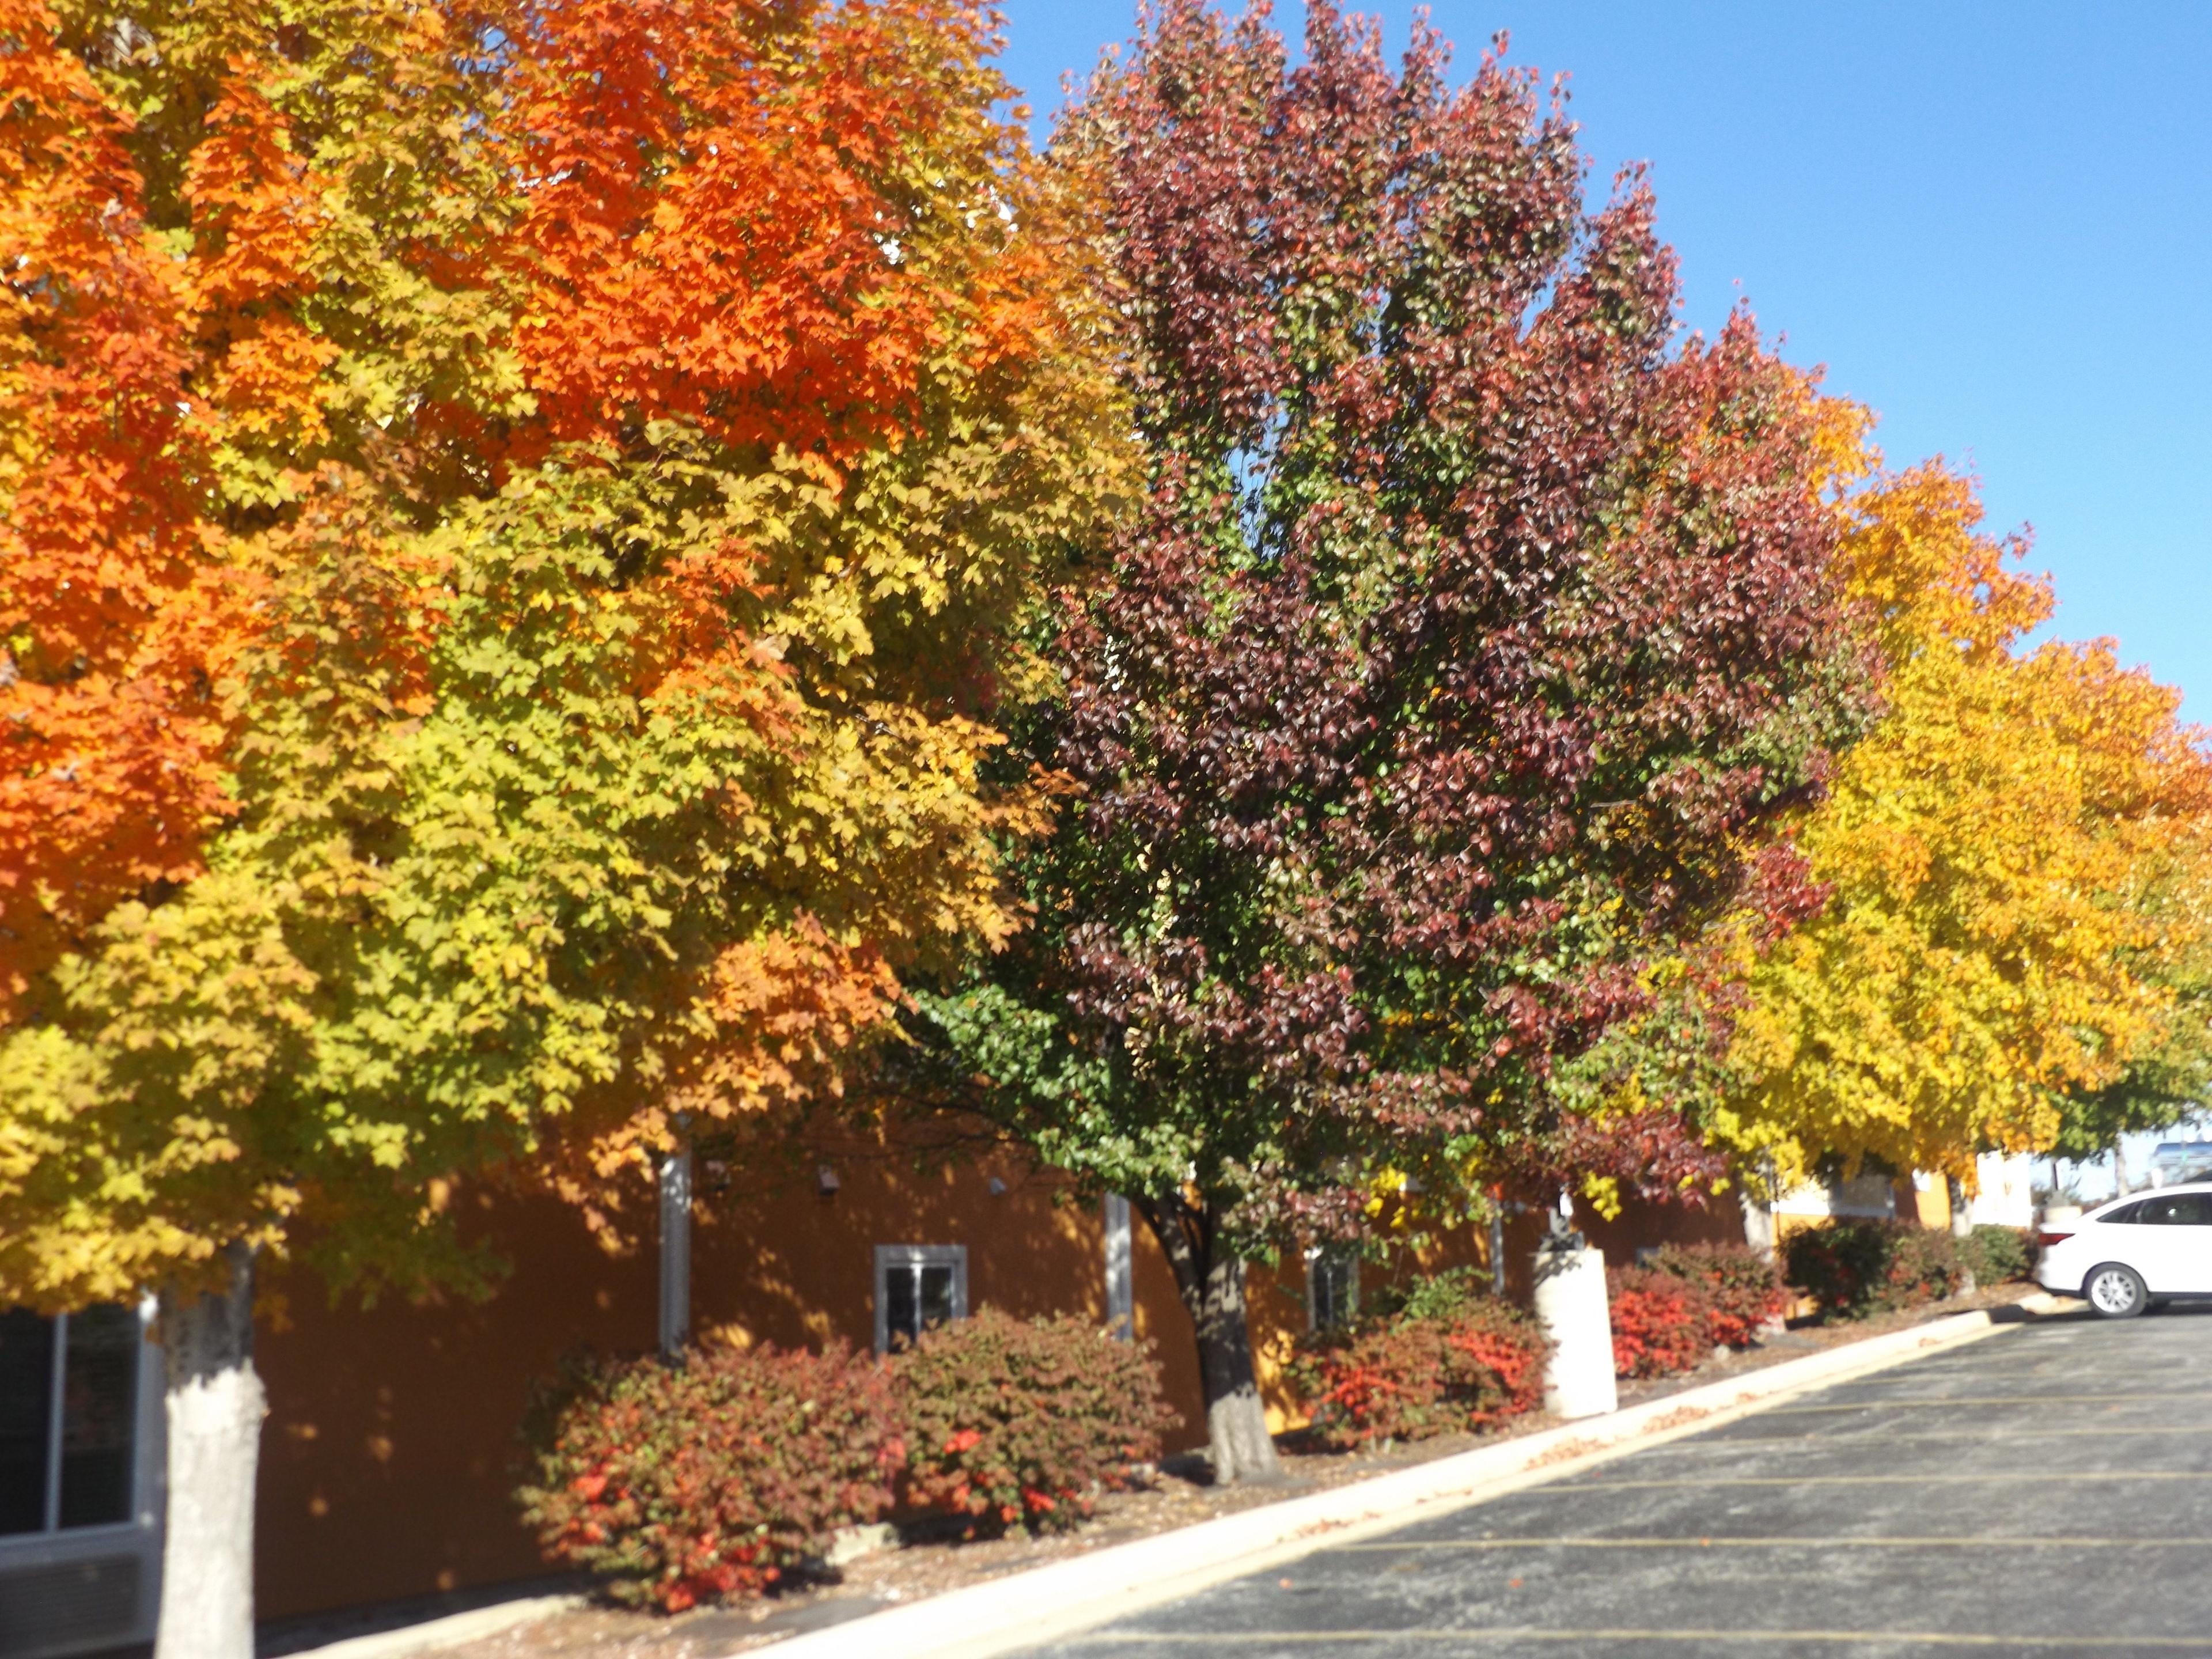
1120	1287
215	1403
1212	1280
1235	1417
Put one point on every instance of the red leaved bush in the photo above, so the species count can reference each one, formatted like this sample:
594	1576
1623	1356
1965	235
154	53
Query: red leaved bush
1742	1287
679	1487
1411	1378
1023	1421
1661	1324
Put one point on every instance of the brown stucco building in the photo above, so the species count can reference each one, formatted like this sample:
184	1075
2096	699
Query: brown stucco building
391	1451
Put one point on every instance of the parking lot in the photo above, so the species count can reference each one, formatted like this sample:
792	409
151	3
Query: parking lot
2048	1490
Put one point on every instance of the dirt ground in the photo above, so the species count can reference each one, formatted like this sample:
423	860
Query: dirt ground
1179	1499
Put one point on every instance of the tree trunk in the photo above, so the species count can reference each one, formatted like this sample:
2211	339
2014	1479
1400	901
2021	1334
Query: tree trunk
1213	1285
216	1404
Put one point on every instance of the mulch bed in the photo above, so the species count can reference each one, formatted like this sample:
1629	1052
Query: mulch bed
1180	1498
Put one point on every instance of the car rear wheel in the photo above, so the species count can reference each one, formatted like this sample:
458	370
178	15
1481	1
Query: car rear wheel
2116	1291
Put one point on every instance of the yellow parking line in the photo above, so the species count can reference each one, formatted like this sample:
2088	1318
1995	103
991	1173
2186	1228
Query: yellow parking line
2038	1542
1886	1437
2044	1476
1990	1400
1532	1633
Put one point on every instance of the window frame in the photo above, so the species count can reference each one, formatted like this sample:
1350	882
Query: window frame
1320	1260
915	1256
140	1533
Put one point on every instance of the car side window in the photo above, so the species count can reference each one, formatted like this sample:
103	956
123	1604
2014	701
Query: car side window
2181	1210
2132	1212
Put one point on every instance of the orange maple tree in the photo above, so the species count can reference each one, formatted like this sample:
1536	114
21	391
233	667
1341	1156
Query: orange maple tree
519	520
112	608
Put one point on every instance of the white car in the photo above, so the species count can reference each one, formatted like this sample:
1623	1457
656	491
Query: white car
2123	1255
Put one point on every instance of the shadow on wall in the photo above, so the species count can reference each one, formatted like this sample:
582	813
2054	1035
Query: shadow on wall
390	1449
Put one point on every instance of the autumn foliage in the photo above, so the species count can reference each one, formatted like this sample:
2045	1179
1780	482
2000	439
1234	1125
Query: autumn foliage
1742	1286
1418	1374
2013	864
719	1478
518	524
1472	629
1852	1268
674	1485
1661	1324
1022	1423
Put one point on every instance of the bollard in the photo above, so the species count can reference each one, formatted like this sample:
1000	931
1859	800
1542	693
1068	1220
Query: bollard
1571	1304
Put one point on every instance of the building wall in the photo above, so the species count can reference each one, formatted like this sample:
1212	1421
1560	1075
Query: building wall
391	1454
2004	1190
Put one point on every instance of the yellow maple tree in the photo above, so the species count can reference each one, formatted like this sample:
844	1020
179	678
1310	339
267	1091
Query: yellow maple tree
1995	851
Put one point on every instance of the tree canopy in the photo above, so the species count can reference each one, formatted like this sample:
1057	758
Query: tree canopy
518	523
1471	627
2013	861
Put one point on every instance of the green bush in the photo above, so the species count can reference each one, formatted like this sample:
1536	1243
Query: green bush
682	1486
1436	1296
1997	1255
1853	1268
1011	1420
1742	1286
1450	1361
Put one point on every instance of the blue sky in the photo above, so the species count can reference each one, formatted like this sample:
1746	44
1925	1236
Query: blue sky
1992	222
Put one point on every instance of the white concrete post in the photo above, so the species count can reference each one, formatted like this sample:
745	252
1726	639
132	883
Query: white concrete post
675	1254
1120	1287
1758	1225
1571	1304
1757	1199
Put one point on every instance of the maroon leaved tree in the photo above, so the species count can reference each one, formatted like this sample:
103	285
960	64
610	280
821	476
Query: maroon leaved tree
1475	627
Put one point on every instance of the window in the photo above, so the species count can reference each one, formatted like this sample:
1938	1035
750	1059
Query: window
1332	1288
918	1286
2182	1210
69	1415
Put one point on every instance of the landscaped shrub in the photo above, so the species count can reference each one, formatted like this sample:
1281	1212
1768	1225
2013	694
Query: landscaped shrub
1452	1361
1432	1296
1661	1323
679	1487
1742	1286
1923	1267
1022	1420
1995	1255
1852	1268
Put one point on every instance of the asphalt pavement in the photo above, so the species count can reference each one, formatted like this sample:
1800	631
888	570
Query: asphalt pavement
2046	1490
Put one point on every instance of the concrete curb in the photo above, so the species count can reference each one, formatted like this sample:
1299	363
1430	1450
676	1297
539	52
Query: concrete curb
1026	1608
449	1631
